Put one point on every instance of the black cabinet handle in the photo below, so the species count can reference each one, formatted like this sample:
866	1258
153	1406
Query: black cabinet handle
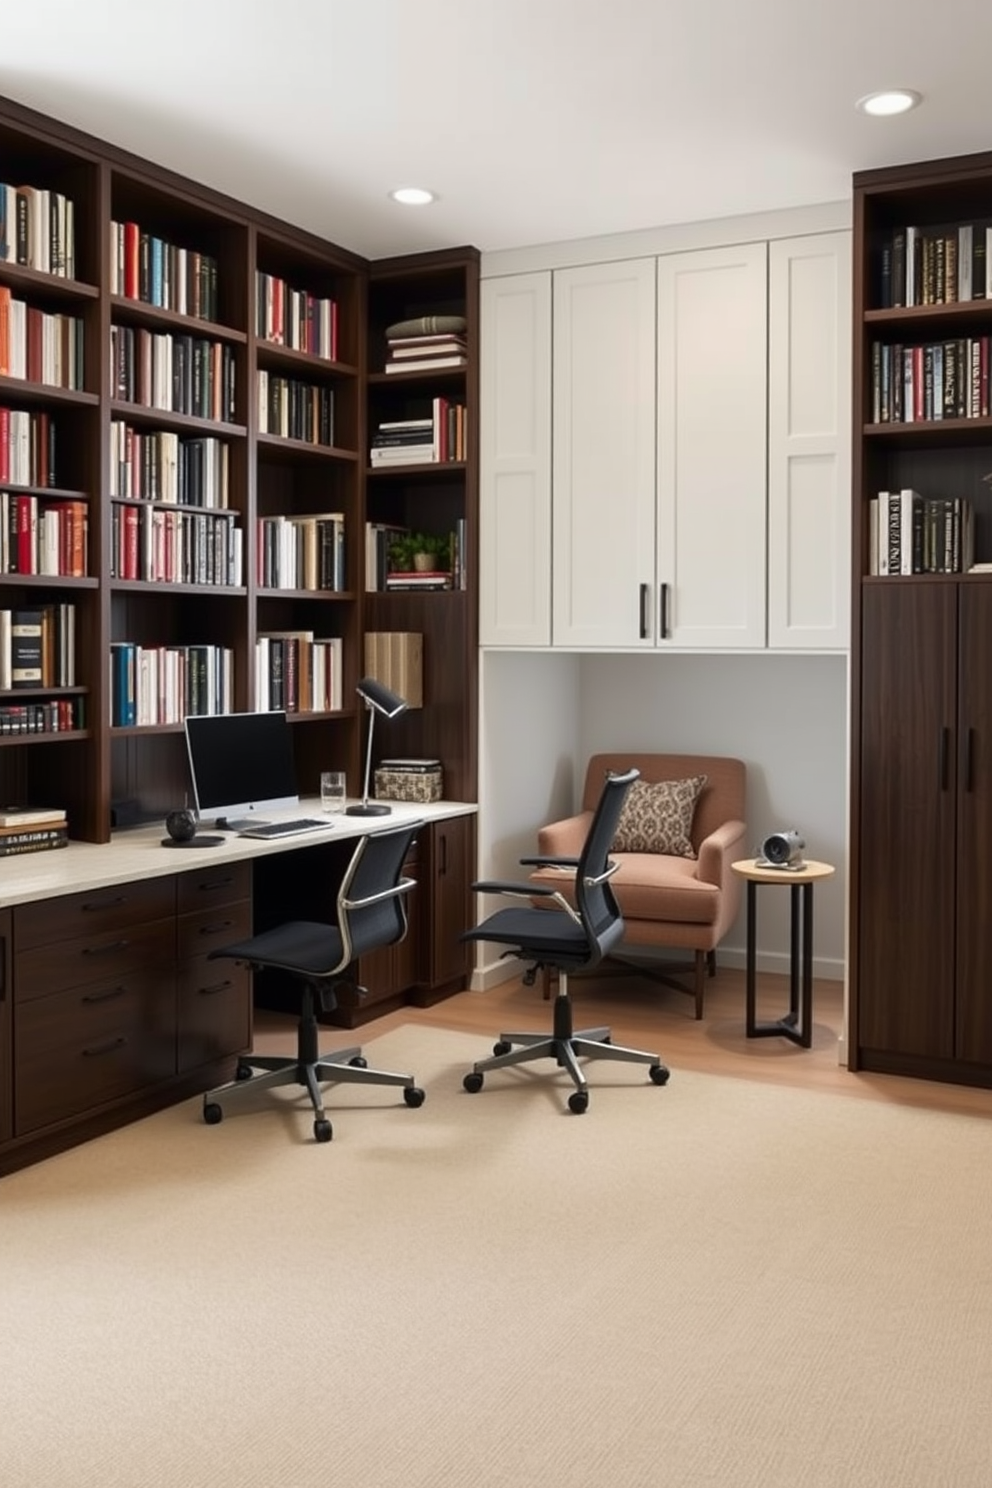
215	929
101	950
212	990
99	904
107	996
663	612
207	885
643	611
107	1048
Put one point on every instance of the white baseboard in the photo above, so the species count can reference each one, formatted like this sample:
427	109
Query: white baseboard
503	969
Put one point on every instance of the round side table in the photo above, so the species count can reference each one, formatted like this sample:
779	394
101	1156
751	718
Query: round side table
797	1023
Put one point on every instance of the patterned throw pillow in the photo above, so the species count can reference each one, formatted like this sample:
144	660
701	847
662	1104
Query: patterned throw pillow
657	817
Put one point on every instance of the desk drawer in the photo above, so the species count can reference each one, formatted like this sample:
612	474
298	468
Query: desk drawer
94	958
214	1010
80	1048
220	885
207	929
72	915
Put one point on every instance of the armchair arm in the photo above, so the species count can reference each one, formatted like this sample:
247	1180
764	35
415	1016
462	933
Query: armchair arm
564	838
718	851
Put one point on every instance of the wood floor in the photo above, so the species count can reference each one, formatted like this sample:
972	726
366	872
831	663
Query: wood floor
646	1015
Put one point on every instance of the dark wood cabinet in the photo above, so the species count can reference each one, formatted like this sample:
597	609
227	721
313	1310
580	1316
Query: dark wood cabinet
450	866
6	1028
921	769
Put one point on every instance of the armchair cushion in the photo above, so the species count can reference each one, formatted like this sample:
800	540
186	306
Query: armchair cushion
657	817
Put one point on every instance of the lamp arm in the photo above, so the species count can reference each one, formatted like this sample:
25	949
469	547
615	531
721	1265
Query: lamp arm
368	757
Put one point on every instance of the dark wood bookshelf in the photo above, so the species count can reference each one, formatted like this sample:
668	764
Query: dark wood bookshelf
92	769
921	766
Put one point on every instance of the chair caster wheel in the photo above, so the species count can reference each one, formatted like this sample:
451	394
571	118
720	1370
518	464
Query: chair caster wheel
529	977
659	1074
502	1047
322	1130
414	1096
579	1102
212	1113
244	1071
472	1082
359	1062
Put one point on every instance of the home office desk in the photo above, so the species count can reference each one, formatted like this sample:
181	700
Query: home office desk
109	1008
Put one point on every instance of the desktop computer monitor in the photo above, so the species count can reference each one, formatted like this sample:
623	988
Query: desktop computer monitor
241	766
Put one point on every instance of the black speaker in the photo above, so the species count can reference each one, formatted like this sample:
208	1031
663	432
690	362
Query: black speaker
782	850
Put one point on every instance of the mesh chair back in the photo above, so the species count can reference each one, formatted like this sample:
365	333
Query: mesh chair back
596	902
371	904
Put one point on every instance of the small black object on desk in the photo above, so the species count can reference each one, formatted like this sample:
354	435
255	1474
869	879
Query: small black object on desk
181	827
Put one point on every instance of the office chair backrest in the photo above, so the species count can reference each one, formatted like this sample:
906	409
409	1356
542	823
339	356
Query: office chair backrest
596	902
371	905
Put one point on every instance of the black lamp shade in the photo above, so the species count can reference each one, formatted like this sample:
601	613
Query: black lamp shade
379	697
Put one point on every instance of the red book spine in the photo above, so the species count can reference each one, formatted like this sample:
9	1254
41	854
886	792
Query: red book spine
131	242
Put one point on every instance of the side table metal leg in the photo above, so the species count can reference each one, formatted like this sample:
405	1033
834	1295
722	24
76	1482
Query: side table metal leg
806	1027
795	939
750	996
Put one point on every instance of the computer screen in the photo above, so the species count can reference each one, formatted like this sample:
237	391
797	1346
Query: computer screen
241	766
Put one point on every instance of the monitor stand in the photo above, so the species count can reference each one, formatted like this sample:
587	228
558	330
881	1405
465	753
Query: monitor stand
240	823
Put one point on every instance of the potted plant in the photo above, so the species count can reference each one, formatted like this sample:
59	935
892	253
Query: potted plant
420	552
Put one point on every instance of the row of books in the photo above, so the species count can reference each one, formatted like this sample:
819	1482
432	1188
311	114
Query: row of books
912	534
41	536
147	268
299	672
422	441
425	353
935	266
27	448
38	647
176	373
161	684
935	381
294	409
175	545
38	346
24	830
301	552
53	716
38	230
292	317
159	465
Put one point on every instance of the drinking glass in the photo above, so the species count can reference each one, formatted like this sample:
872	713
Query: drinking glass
333	790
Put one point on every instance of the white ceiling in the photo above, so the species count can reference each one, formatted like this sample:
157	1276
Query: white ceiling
534	120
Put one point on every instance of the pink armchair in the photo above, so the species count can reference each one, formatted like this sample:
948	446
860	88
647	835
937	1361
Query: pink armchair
672	902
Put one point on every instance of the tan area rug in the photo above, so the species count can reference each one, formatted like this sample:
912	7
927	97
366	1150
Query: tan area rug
717	1282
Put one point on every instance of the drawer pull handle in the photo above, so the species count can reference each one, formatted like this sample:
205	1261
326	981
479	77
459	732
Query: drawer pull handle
107	1048
215	929
99	904
104	996
213	990
113	945
215	883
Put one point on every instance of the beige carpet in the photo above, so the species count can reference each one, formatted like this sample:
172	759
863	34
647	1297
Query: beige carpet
718	1282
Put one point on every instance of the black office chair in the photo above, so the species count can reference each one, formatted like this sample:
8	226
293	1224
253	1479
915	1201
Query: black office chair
371	912
568	940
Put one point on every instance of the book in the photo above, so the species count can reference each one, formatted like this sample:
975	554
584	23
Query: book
427	364
33	842
26	648
31	816
411	766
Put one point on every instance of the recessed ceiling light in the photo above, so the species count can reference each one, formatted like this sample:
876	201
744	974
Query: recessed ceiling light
412	196
892	101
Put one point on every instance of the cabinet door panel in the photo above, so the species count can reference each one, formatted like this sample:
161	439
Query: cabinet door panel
974	877
908	785
712	405
515	461
603	455
809	441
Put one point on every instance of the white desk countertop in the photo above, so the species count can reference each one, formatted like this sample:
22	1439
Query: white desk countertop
137	852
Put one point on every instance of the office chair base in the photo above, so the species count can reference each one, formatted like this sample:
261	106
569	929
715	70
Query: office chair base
342	1066
566	1047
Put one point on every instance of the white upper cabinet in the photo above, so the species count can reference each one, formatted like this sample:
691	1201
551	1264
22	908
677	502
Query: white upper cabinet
515	461
603	461
712	411
809	442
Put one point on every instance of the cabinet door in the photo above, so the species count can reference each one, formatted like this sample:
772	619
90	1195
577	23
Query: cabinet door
974	875
712	399
451	852
809	441
907	820
603	505
6	1037
515	461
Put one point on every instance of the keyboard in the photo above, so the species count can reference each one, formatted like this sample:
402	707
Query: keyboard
289	828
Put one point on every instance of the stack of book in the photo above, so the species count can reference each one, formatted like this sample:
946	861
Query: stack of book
25	829
423	579
421	441
426	343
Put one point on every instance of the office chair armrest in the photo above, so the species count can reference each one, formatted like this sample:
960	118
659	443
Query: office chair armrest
403	887
546	862
718	851
514	890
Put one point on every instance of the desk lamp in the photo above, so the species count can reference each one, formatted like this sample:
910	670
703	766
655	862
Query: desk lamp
378	699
